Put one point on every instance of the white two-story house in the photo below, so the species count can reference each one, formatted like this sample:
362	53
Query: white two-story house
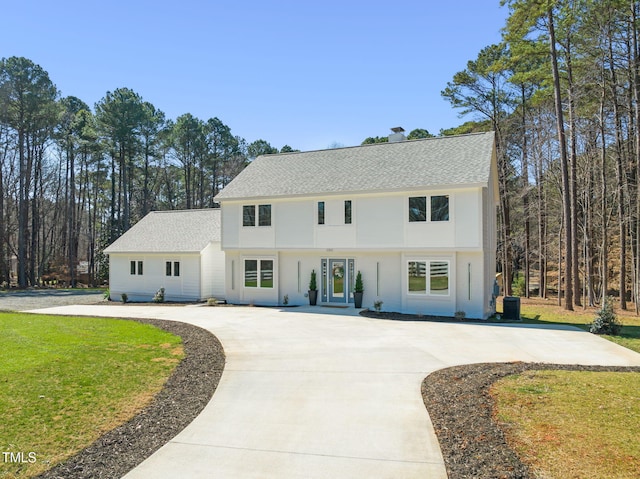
416	218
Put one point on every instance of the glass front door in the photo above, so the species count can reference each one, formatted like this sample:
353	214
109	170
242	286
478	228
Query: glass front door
338	285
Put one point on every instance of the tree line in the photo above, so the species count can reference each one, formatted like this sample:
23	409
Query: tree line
73	179
562	93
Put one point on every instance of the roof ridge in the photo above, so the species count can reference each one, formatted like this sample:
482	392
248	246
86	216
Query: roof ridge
193	210
289	153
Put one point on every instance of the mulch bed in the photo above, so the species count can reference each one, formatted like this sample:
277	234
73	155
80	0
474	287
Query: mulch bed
185	394
461	410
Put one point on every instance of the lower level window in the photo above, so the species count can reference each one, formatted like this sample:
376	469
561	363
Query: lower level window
258	273
172	268
136	267
437	273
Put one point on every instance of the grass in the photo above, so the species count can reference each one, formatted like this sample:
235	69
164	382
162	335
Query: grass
64	381
573	424
538	311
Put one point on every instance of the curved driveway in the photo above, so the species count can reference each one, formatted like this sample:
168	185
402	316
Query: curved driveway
325	393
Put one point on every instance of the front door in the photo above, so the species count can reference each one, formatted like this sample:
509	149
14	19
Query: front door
338	284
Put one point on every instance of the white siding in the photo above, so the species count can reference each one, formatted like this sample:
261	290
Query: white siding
378	222
294	222
470	284
185	287
213	277
380	240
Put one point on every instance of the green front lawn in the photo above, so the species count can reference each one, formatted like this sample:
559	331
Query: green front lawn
573	424
64	381
536	311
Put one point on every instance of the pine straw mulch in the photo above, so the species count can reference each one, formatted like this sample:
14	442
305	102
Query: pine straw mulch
461	410
184	396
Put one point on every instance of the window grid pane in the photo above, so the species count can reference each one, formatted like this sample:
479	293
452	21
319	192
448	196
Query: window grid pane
251	273
176	268
417	208
439	208
167	268
264	215
266	273
140	267
439	278
249	215
133	267
320	212
417	276
347	212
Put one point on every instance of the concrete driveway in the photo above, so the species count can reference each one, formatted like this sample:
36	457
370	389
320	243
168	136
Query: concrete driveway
322	393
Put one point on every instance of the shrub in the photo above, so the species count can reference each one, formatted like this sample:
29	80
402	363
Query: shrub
359	287
605	321
159	296
378	305
518	286
106	295
124	298
212	302
460	315
285	300
312	283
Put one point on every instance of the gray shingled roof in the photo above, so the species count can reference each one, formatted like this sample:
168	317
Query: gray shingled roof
443	161
184	231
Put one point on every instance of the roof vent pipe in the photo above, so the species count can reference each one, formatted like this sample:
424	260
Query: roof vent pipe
397	135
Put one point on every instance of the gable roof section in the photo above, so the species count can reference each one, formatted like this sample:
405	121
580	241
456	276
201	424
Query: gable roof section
182	231
405	165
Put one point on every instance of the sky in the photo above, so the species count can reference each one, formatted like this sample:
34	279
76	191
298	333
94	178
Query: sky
309	74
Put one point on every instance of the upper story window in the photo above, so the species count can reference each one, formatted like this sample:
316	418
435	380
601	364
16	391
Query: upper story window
417	208
264	215
249	215
347	212
439	208
320	212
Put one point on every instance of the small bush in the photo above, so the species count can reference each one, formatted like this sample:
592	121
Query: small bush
518	286
460	315
378	305
106	295
212	302
285	300
359	286
124	298
605	321
159	296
